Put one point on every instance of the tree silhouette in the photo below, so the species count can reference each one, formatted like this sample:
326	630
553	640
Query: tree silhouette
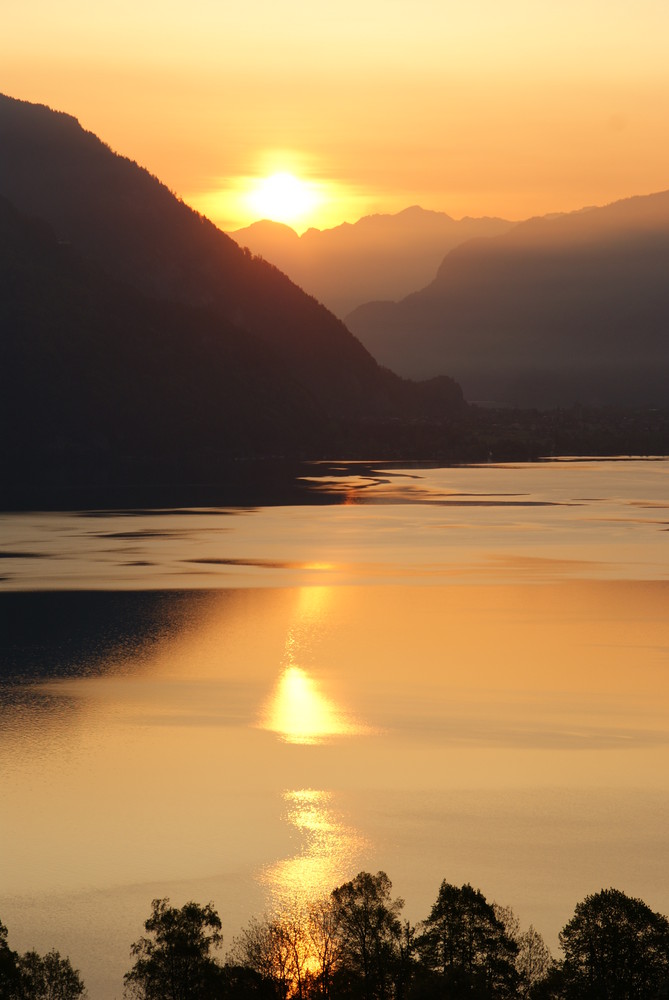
324	944
616	948
9	971
533	960
35	977
369	933
175	963
49	977
465	949
277	950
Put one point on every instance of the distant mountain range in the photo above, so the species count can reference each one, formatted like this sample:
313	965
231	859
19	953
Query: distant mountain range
138	342
557	310
378	257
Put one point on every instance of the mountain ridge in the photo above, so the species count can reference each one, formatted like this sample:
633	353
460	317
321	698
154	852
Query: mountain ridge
53	169
176	326
377	255
558	310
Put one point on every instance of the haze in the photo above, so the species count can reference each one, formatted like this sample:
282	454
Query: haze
512	110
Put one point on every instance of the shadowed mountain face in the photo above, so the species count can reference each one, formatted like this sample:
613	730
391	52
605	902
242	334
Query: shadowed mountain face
378	257
141	343
564	309
99	381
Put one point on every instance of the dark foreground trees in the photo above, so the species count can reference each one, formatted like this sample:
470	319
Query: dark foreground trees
49	977
348	945
533	960
368	934
9	971
37	977
276	950
465	950
615	948
353	945
174	961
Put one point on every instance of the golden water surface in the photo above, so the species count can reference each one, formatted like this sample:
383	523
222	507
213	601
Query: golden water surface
462	676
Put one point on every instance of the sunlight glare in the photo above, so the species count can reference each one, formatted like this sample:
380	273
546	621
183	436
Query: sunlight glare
283	197
299	713
329	849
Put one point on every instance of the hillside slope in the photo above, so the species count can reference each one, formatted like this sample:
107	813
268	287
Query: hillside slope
96	385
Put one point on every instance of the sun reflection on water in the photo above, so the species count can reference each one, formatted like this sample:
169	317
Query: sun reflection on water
328	852
298	712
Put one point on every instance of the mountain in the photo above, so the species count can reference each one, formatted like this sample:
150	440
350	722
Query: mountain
95	379
137	340
562	309
380	256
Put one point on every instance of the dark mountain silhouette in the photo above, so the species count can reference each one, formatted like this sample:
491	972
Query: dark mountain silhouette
98	379
380	256
563	309
138	341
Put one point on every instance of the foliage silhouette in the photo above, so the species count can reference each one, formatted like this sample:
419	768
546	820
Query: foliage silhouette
324	944
465	947
9	970
615	948
533	959
236	982
175	961
534	962
35	977
49	977
275	949
369	933
352	945
347	945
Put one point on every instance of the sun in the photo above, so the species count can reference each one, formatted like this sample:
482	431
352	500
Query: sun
283	197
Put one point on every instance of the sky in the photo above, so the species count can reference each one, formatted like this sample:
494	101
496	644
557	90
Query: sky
471	107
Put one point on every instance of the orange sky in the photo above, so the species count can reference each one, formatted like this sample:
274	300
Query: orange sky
513	109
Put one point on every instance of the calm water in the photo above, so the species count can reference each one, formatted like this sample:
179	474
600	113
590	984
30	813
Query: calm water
455	673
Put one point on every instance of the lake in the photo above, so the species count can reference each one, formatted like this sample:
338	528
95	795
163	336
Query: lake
456	674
